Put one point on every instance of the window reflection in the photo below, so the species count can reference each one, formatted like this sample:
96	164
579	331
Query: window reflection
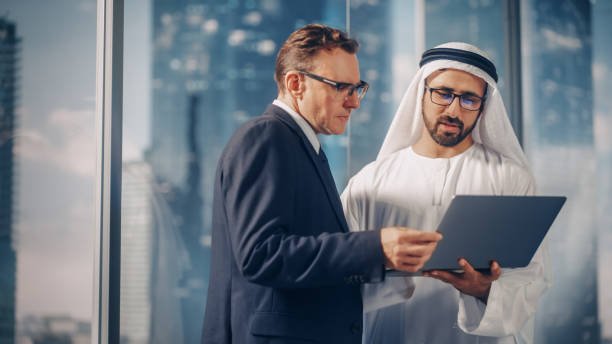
212	70
602	123
376	32
47	159
559	142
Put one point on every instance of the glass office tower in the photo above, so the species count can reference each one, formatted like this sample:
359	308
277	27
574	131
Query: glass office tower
559	141
213	69
9	58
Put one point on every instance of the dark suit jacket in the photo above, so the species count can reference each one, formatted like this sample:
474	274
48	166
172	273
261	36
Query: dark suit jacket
284	268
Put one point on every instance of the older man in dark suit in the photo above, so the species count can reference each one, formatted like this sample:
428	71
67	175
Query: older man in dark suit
285	268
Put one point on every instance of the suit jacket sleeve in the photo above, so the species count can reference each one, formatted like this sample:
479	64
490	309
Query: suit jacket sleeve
258	177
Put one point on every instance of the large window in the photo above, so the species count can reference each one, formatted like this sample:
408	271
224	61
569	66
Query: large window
47	169
559	140
602	126
194	71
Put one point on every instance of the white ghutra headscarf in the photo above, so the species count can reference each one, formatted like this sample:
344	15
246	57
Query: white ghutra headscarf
493	129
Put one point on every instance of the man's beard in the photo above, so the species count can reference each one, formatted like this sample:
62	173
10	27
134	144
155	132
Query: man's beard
448	139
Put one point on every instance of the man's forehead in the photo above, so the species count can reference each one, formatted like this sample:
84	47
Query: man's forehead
456	79
337	64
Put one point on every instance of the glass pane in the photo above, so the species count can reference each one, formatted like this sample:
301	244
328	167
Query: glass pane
392	39
602	84
194	72
559	140
47	170
475	22
387	32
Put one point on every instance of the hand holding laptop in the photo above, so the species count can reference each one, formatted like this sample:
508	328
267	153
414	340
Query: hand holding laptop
480	229
469	281
407	249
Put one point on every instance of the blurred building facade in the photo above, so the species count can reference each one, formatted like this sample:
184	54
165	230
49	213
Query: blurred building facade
136	253
54	330
213	69
9	66
559	141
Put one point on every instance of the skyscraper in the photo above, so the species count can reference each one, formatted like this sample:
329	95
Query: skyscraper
136	252
9	44
369	124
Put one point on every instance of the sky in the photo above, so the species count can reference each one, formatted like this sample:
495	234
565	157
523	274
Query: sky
56	153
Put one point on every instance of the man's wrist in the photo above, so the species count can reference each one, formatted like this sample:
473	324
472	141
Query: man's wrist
485	297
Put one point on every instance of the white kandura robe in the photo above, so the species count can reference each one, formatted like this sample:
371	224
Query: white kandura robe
406	189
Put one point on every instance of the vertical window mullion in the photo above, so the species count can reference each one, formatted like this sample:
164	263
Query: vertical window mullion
109	91
512	41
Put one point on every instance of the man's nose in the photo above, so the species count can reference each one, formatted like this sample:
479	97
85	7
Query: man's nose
352	101
454	108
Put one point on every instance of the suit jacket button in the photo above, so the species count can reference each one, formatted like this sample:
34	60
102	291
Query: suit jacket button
356	327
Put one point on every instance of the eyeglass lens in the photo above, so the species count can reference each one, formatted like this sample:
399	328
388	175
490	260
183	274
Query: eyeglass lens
466	101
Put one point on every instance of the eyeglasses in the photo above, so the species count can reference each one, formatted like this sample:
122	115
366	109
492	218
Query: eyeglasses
443	97
342	87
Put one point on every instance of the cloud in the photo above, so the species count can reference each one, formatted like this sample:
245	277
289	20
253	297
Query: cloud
67	139
603	126
54	221
404	67
599	70
54	271
555	40
88	6
131	150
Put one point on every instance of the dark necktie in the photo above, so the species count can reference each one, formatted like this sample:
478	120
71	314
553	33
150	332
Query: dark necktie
330	180
326	168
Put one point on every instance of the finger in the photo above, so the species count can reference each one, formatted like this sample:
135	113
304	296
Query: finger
413	235
408	260
444	276
467	267
416	250
496	271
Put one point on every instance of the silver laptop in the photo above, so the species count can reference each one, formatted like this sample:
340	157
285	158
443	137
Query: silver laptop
508	229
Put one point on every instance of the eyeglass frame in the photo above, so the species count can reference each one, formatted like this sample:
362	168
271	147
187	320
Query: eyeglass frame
340	86
455	95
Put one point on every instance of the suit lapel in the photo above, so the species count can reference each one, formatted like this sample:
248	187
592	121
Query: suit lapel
330	187
319	161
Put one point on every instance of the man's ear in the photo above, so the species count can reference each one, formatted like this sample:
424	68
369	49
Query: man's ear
294	84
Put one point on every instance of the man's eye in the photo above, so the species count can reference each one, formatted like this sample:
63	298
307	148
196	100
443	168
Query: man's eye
342	87
469	100
444	95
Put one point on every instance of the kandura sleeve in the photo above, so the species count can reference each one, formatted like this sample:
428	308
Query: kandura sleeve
356	197
514	297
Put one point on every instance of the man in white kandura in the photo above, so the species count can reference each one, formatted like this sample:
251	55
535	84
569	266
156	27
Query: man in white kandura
450	136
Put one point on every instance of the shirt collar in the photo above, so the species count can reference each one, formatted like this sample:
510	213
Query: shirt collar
302	123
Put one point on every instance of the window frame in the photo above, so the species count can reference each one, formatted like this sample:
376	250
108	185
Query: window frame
109	118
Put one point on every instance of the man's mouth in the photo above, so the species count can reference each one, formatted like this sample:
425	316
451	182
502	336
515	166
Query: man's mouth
451	127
